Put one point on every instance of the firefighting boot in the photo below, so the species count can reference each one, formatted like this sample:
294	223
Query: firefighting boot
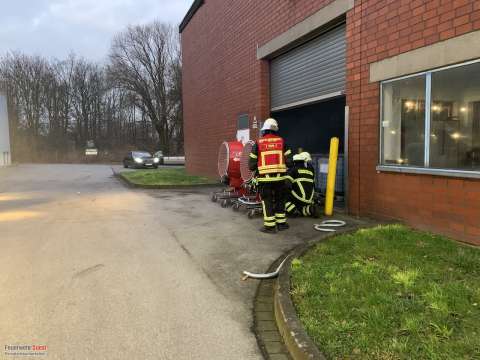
283	226
269	229
314	211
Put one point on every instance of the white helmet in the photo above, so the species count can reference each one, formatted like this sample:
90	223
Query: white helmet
304	156
270	124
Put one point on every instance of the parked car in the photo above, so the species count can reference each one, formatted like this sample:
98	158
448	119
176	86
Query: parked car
169	160
140	159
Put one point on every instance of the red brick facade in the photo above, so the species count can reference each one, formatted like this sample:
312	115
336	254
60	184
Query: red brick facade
223	78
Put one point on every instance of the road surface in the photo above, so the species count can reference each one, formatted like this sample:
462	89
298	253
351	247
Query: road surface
94	270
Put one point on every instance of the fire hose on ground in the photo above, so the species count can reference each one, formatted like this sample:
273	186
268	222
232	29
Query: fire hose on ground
271	275
325	226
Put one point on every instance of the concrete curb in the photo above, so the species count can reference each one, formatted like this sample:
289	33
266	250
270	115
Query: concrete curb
128	183
265	327
299	345
295	338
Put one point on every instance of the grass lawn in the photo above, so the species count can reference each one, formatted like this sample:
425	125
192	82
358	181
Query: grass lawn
166	177
390	293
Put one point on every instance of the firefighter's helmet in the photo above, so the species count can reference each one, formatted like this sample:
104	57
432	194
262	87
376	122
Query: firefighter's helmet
304	156
270	124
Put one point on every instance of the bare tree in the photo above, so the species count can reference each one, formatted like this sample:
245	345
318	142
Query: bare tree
145	60
87	92
25	79
132	103
175	98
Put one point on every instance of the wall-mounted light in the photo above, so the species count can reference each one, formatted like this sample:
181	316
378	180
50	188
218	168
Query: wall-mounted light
393	132
456	135
436	108
409	105
463	109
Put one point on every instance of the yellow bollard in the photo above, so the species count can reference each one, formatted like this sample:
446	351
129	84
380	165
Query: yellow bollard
332	175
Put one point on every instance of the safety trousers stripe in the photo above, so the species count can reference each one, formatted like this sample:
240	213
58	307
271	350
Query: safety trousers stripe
280	216
291	207
264	209
269	224
281	221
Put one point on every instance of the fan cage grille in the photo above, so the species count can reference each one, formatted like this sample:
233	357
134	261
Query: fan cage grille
223	159
245	171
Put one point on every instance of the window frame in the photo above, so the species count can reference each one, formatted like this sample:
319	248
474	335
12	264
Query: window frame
427	170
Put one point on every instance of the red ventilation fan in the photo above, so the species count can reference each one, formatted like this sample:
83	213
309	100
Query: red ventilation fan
250	199
229	156
233	159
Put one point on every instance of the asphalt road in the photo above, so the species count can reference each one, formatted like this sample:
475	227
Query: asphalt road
95	270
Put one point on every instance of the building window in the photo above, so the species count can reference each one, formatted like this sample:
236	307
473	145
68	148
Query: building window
443	103
404	122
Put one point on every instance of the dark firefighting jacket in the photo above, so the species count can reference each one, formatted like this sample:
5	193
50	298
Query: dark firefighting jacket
302	179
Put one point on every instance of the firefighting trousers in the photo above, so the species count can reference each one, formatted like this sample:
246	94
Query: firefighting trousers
294	206
273	202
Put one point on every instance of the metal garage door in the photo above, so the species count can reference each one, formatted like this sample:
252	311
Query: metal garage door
310	72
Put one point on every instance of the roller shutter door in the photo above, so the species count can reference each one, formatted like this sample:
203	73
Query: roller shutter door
310	72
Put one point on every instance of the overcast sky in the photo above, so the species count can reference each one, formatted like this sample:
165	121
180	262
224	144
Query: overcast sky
55	28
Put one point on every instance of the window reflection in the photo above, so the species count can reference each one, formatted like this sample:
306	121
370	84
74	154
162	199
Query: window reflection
455	118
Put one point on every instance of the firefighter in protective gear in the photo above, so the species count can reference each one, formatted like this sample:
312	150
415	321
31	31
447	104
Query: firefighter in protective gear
270	158
300	201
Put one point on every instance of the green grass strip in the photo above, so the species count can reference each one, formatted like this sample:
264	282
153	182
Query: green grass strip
390	293
165	177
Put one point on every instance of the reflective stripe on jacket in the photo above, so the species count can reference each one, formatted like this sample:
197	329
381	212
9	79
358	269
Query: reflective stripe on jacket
303	183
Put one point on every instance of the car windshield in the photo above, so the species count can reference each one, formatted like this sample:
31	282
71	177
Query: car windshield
141	154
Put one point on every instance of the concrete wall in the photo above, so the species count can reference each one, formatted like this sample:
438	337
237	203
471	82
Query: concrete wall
5	152
223	78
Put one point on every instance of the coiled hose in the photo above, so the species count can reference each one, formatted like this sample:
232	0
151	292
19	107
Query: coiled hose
327	225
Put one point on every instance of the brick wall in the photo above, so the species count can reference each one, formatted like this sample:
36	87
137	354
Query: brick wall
378	29
223	79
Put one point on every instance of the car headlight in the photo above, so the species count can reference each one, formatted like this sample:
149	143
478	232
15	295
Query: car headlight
138	160
156	160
